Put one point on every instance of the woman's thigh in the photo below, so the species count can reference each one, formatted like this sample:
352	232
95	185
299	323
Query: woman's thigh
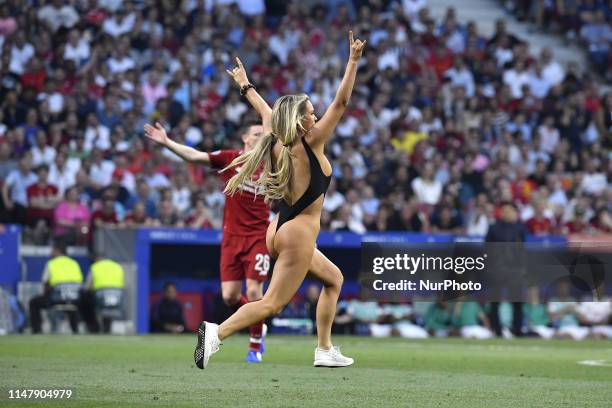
295	246
324	270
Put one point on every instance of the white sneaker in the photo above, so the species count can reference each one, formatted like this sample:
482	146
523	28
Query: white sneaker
208	343
331	358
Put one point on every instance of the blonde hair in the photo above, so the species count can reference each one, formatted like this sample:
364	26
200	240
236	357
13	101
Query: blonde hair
287	115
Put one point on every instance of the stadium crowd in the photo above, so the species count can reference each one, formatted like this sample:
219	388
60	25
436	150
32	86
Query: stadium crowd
586	22
443	126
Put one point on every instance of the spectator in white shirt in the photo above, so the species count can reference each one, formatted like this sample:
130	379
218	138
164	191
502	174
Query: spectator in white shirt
549	134
426	188
281	43
593	181
62	175
121	62
369	201
42	153
538	84
96	135
551	69
101	171
77	48
388	56
14	189
110	5
515	78
412	8
252	7
235	108
56	15
21	52
333	199
119	24
460	75
181	194
155	180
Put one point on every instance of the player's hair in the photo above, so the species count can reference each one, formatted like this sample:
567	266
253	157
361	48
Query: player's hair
287	115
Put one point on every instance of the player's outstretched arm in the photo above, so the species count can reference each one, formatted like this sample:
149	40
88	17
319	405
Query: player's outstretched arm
324	128
239	75
158	134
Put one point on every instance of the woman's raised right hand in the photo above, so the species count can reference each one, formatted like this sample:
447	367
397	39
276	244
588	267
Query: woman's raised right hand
239	74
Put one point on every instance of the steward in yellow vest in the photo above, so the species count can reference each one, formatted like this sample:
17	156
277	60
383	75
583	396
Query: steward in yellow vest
105	274
63	269
106	278
60	269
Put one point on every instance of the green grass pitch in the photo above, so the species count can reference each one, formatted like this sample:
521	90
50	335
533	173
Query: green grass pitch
158	371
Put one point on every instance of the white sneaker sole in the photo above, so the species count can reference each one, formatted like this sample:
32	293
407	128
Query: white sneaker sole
325	363
203	349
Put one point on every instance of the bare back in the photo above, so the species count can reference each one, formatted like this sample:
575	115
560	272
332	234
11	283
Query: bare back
304	206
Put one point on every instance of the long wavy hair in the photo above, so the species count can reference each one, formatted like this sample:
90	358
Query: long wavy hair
287	115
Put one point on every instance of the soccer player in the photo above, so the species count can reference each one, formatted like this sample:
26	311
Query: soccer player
297	173
245	222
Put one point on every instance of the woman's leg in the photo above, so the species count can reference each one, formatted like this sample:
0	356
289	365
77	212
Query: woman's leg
288	274
328	273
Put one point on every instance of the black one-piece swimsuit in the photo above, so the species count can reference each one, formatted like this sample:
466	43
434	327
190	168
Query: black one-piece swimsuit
318	185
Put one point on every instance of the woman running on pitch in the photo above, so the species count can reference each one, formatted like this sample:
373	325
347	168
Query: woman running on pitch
296	172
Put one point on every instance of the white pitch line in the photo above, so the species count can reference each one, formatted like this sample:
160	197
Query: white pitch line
596	363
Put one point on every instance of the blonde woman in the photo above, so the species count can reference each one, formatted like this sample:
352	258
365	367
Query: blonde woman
296	172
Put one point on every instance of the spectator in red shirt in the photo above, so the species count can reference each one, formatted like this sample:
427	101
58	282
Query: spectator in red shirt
105	216
578	225
603	221
539	224
440	60
138	217
522	187
200	217
42	199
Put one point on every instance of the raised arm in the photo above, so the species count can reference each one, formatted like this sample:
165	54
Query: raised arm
324	128
158	134
261	106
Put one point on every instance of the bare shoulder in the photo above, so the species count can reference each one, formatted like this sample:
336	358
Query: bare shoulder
316	138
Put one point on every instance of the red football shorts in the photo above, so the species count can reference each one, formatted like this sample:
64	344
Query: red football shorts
244	256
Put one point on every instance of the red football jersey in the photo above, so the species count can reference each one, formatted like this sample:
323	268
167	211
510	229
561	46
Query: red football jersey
245	213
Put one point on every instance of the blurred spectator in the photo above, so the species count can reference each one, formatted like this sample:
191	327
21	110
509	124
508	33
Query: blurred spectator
438	318
427	189
138	217
105	215
536	316
71	219
562	312
58	15
43	197
471	321
597	35
14	190
200	217
167	314
596	316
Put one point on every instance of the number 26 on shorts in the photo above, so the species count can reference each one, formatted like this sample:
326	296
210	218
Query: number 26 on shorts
262	264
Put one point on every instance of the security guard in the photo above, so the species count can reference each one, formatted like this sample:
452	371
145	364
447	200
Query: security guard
59	270
105	274
105	281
